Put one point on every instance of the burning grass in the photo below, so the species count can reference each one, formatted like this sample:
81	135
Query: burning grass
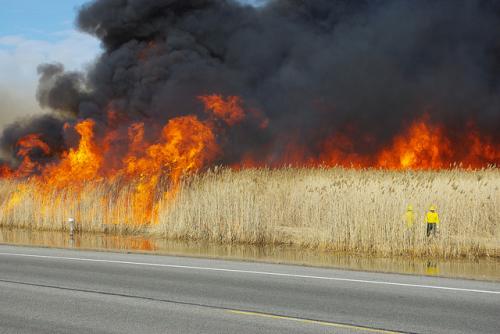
347	210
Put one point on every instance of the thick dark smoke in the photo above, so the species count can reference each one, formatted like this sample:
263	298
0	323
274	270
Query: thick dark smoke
313	68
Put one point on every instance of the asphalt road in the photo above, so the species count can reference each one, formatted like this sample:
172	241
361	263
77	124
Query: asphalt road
66	291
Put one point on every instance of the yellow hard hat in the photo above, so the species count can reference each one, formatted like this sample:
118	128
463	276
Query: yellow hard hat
409	208
432	208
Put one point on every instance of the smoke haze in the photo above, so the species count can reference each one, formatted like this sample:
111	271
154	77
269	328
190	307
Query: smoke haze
19	59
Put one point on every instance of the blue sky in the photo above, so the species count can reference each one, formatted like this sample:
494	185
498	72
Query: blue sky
41	18
37	18
34	32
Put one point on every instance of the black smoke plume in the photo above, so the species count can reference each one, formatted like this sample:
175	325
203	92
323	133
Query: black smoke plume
312	68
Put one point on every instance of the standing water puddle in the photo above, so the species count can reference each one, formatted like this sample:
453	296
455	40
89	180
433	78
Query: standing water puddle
483	269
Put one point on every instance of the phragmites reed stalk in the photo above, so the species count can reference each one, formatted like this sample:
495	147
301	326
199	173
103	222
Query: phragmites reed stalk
335	209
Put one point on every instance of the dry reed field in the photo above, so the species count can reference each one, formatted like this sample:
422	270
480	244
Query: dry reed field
334	209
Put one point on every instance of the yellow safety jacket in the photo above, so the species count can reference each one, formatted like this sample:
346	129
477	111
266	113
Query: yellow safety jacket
432	218
409	218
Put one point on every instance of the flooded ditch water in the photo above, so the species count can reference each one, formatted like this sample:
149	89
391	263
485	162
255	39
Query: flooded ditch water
483	269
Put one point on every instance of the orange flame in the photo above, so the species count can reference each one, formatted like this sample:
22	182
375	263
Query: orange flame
30	142
481	151
423	147
146	155
186	145
427	147
77	165
420	146
6	172
229	110
26	145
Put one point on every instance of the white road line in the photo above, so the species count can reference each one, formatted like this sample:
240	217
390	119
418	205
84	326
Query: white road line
250	272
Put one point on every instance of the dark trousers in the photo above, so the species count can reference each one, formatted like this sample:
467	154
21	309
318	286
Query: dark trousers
431	229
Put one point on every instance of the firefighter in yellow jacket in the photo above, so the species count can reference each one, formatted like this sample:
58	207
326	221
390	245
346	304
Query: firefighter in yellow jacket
432	220
409	219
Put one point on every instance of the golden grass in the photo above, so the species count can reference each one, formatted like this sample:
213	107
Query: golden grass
97	207
340	210
355	211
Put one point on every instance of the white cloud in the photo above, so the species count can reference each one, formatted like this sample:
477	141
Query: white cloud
19	58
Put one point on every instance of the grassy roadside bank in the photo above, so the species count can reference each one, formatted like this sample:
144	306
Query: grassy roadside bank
343	210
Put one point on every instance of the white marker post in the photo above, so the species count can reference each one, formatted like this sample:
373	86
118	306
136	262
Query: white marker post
71	223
